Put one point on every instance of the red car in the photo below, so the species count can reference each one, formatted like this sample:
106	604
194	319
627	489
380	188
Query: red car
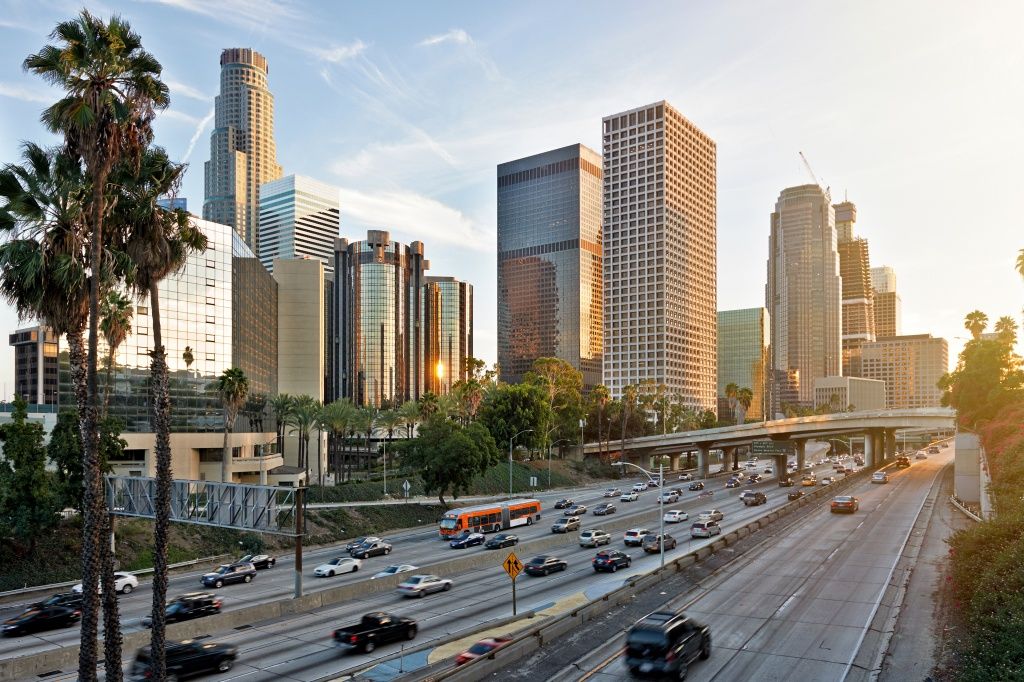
482	648
845	503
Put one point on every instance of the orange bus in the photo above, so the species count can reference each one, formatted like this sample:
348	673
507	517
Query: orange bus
490	518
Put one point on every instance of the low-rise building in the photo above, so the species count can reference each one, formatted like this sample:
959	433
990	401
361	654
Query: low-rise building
849	393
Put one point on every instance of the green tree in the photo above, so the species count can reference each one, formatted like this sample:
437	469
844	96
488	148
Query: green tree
336	418
27	504
254	409
305	417
281	406
731	396
410	413
599	398
116	311
745	397
428	404
64	450
975	322
628	406
1006	330
232	388
562	385
987	377
447	456
513	408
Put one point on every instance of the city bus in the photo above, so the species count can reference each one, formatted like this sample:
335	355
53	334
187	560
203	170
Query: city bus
489	518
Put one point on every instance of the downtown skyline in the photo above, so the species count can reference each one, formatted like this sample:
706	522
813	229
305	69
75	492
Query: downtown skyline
410	121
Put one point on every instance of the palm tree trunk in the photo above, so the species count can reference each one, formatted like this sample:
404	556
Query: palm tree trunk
162	428
106	389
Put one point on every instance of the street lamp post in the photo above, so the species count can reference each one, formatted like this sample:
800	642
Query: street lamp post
661	508
510	459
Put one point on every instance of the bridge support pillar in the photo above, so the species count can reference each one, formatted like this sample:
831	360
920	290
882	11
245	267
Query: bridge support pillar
735	459
703	461
869	449
801	449
890	443
779	464
674	462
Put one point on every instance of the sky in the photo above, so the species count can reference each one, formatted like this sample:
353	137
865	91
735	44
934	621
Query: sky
912	110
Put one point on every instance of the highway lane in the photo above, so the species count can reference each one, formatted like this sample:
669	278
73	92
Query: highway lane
300	648
798	609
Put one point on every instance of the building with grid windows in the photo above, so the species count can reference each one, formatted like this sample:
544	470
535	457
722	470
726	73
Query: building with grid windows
35	365
842	394
243	154
660	259
743	342
887	302
549	262
448	332
910	366
219	311
858	294
299	217
804	291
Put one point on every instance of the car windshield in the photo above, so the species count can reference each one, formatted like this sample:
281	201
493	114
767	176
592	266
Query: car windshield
247	557
390	569
843	499
223	569
448	524
334	562
480	648
538	560
415	580
174	607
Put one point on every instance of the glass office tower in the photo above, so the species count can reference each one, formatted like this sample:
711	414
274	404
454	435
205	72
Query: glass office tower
743	341
448	332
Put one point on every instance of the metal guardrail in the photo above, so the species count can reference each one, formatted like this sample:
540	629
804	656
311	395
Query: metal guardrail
965	510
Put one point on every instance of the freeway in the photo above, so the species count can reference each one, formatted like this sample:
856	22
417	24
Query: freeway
796	609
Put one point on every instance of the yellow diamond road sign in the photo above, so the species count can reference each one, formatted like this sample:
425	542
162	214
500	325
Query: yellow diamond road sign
513	566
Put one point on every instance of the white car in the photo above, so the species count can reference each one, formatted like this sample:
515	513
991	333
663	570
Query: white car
629	496
123	583
639	487
594	538
341	564
394	569
685	477
419	585
879	477
675	516
669	497
711	515
635	536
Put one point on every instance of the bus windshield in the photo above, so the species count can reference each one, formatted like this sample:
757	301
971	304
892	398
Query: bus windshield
448	524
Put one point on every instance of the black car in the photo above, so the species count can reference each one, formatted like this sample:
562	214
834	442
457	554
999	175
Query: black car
903	461
732	483
39	617
611	560
63	599
543	565
604	509
796	494
369	549
187	658
786	482
189	606
697	485
359	542
502	540
229	573
259	561
565	503
467	539
663	644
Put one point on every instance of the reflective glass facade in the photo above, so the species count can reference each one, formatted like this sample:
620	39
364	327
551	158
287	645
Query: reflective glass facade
35	365
222	305
448	327
299	217
743	341
549	262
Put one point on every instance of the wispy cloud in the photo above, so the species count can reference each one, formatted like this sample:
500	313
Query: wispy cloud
416	216
339	54
185	90
175	115
269	13
7	23
470	47
200	128
26	94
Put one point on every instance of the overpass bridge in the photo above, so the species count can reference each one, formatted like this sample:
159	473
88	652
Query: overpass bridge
877	427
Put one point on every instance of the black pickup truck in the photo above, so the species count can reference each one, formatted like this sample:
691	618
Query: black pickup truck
374	629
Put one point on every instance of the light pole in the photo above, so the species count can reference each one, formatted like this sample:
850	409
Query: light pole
510	459
661	505
551	445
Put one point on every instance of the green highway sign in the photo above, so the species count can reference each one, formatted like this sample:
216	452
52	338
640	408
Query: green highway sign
771	447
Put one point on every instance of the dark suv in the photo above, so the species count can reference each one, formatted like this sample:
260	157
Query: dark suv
663	644
242	572
187	658
189	606
611	560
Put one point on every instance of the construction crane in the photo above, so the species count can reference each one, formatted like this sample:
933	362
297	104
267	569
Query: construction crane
810	171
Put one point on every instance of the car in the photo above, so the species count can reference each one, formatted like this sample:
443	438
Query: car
374	629
629	496
187	607
594	538
903	461
419	585
639	487
39	617
612	492
369	549
711	515
786	482
752	498
61	599
686	477
664	643
124	583
186	658
933	450
653	483
675	516
359	542
544	565
844	503
229	573
768	470
809	480
827	480
944	445
564	503
394	569
921	455
467	539
338	565
669	497
635	536
808	465
575	510
704	529
566	524
879	477
502	540
751	464
482	648
697	485
260	561
795	494
858	460
605	509
838	466
732	483
610	560
756	478
652	543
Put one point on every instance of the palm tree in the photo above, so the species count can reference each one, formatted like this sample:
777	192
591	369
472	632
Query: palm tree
1020	262
281	405
428	405
745	397
975	322
112	92
188	358
628	405
116	323
1006	330
255	406
410	414
335	418
362	423
731	391
232	388
305	416
600	397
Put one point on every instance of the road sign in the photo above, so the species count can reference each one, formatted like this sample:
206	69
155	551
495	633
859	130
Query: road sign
533	481
513	566
771	447
406	486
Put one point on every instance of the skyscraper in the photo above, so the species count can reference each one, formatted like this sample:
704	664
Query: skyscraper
243	154
883	278
887	302
448	331
35	364
660	222
858	296
299	217
910	366
804	291
549	262
743	342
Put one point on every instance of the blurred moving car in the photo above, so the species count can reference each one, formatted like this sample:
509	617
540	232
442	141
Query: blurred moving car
612	492
374	629
675	516
229	573
419	585
187	658
124	583
611	560
629	496
795	494
635	536
564	525
187	607
879	477
544	565
502	540
467	539
594	538
259	561
565	502
338	565
663	644
39	617
394	569
359	542
369	549
605	509
482	648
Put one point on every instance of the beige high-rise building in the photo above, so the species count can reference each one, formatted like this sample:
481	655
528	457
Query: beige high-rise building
804	291
660	259
243	154
910	366
858	295
887	302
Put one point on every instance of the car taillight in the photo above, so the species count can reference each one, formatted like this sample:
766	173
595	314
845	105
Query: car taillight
218	603
670	656
353	639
